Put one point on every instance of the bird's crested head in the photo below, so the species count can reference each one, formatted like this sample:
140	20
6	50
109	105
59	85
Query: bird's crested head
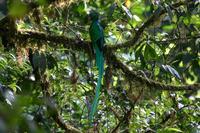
94	15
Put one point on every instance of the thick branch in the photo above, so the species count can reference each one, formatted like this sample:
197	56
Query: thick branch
149	82
83	45
53	39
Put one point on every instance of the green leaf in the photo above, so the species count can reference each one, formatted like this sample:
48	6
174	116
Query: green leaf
80	8
170	130
3	62
138	8
138	52
42	2
168	27
150	53
137	18
17	8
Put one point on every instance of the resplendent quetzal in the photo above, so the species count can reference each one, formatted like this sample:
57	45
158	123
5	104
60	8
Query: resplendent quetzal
97	38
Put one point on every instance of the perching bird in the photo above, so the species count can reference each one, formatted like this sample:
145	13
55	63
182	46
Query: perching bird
97	38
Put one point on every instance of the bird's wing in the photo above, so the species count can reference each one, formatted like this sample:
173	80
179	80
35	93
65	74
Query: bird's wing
96	31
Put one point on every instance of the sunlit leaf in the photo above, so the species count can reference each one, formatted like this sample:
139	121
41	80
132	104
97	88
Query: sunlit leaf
137	18
149	53
128	3
17	8
42	2
168	27
171	130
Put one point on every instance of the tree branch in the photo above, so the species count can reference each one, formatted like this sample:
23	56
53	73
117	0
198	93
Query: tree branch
149	82
84	45
31	36
52	109
145	25
33	5
176	39
125	120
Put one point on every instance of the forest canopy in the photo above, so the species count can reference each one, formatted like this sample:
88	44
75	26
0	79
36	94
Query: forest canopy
48	72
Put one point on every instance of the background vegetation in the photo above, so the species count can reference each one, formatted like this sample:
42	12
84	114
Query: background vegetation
152	67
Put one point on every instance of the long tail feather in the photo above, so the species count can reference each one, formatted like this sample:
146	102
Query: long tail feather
100	66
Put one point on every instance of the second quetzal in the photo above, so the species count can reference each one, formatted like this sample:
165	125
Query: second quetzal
97	38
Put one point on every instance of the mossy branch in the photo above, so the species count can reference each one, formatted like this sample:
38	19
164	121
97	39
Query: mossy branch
85	46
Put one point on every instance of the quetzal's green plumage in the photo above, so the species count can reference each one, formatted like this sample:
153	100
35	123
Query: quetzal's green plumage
97	38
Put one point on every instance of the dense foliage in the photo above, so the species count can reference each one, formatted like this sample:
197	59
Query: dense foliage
152	66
